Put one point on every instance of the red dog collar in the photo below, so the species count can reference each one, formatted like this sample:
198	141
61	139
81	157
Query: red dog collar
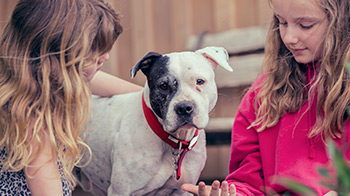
167	138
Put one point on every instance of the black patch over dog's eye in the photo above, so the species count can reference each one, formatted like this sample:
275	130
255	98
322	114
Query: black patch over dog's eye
200	82
164	86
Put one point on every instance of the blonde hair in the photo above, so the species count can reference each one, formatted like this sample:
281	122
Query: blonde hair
44	50
284	85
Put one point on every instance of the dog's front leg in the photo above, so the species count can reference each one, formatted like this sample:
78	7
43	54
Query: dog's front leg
130	171
120	182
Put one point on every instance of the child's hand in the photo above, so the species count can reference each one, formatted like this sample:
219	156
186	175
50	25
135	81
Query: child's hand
331	193
213	190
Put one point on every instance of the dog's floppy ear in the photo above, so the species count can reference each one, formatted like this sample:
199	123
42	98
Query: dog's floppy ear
217	55
145	63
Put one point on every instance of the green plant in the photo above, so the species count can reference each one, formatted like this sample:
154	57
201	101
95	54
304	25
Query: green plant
342	187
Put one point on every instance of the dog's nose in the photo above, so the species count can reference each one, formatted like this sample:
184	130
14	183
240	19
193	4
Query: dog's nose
184	108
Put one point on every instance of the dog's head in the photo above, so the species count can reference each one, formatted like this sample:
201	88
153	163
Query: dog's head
180	87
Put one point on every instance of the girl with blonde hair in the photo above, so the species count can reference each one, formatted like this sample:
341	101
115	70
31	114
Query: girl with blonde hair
49	52
296	106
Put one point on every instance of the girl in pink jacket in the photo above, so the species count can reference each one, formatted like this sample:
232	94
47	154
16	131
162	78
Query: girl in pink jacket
286	118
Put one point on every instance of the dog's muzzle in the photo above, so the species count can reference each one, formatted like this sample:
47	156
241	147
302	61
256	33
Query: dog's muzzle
185	110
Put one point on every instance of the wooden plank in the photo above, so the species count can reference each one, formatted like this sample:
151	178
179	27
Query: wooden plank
216	166
220	124
223	15
3	13
141	31
6	8
142	28
246	13
264	12
162	27
228	102
181	23
234	41
120	61
202	15
246	69
124	49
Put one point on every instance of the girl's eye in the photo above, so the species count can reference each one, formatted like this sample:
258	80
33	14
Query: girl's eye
306	26
164	86
200	82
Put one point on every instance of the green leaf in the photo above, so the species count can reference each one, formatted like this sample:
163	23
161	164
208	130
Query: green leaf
296	187
327	185
342	169
324	172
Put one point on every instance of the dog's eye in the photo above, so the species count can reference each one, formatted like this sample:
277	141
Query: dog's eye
200	81
164	86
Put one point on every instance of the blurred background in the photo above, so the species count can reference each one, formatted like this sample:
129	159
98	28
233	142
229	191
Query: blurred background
165	26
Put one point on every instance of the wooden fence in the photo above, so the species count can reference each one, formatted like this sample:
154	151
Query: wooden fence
165	25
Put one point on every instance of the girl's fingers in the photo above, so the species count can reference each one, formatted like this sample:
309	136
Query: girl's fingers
202	189
232	190
215	188
224	188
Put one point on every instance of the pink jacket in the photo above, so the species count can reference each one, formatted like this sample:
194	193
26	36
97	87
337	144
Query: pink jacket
257	158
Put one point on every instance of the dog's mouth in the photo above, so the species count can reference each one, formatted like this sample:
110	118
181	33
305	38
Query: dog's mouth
185	126
188	126
183	131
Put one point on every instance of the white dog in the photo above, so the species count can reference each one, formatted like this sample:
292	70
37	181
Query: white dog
151	142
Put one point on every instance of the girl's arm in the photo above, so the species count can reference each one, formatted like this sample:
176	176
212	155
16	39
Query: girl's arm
44	179
245	160
107	85
245	167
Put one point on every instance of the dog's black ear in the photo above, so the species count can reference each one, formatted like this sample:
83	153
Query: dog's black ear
145	63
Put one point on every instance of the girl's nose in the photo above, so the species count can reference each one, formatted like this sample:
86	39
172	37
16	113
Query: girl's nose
290	36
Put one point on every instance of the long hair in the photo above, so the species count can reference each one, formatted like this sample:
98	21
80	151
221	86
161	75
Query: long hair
284	85
44	50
